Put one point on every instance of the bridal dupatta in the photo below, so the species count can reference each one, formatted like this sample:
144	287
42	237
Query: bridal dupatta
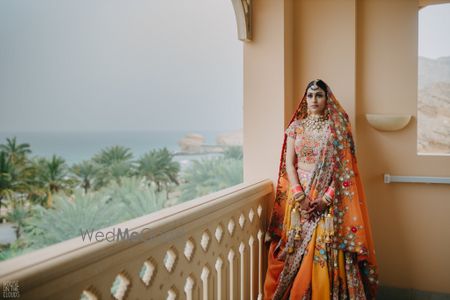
351	233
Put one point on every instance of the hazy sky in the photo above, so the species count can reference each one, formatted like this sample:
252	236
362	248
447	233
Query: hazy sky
134	65
119	65
434	31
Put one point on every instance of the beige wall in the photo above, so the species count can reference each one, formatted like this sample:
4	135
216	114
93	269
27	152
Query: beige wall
324	47
264	90
366	50
411	223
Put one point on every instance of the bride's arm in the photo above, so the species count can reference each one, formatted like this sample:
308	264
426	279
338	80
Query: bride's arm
290	159
329	194
297	190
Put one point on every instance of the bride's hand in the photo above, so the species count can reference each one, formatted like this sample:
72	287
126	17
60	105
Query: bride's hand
317	207
305	204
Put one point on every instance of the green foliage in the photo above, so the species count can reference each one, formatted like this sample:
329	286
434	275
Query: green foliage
15	177
113	154
135	197
7	180
85	174
234	152
158	167
113	163
106	190
52	175
210	175
15	153
68	217
13	250
115	203
15	170
17	215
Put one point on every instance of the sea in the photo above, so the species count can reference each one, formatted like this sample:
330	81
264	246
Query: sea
76	146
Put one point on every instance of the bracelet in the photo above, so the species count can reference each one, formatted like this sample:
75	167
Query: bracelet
330	193
301	197
326	198
296	188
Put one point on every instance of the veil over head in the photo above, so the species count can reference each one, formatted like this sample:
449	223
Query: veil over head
337	159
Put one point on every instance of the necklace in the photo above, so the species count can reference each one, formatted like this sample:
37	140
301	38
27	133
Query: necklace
315	122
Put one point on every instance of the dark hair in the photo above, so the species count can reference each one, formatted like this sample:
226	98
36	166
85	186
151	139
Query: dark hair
319	83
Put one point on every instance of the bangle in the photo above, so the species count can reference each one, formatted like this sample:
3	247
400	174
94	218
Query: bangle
330	193
326	199
300	197
296	189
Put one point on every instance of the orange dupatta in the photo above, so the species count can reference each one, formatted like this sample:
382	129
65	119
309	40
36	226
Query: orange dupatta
351	225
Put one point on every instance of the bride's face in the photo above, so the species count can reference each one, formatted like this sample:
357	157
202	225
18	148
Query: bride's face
316	101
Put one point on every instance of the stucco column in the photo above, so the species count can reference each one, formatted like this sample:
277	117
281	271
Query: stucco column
267	88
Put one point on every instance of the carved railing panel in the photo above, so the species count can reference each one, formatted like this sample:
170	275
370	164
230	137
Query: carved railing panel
208	248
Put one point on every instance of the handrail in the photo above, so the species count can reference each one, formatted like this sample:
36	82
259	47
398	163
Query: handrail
416	179
193	237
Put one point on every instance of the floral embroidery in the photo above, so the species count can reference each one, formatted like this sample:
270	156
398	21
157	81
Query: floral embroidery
320	253
334	161
291	131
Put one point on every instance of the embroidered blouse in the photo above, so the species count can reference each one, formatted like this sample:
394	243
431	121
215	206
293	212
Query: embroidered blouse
307	146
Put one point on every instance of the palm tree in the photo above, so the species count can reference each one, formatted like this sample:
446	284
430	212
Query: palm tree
15	171
159	167
16	153
7	182
14	178
113	154
6	176
70	217
114	162
17	215
135	196
53	176
85	174
210	175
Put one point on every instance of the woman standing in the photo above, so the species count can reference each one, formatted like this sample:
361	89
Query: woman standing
320	238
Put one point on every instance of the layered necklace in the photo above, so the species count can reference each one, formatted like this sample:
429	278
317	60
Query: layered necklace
315	122
316	129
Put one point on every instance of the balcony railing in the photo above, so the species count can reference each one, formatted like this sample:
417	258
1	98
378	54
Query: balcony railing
207	248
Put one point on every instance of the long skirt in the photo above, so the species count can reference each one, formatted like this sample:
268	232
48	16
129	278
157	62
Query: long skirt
324	272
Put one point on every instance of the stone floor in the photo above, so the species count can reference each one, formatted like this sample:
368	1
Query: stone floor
392	293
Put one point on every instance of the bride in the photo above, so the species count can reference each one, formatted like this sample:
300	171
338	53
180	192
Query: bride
320	241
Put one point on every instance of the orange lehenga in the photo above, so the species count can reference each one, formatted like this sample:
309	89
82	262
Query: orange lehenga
330	256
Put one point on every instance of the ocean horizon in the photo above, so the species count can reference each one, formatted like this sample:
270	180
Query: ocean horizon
76	146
